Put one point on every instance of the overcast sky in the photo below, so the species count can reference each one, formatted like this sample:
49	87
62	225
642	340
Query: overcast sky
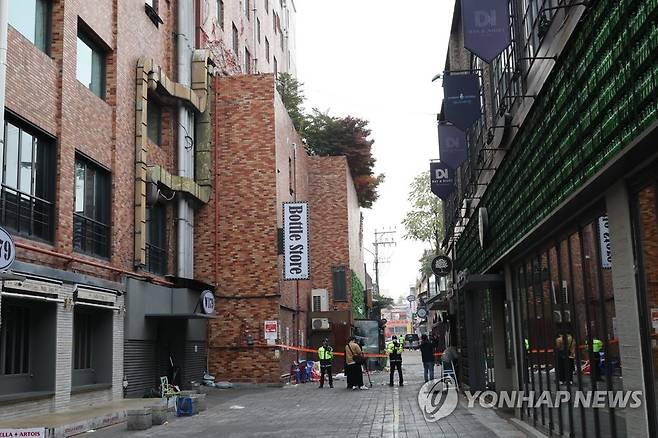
375	59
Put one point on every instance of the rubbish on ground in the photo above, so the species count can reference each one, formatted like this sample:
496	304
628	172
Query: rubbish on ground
223	385
236	407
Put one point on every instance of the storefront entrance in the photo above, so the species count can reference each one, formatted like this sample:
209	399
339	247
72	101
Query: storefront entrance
568	340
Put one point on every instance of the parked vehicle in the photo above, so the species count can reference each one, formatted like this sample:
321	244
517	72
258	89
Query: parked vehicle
411	341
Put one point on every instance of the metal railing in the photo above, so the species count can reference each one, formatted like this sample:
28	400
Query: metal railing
90	236
156	259
26	214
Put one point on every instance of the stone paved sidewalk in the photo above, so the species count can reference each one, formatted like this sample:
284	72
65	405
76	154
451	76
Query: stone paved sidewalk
304	410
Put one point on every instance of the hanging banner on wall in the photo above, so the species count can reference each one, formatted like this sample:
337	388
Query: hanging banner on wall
486	27
604	241
295	240
442	179
452	145
461	99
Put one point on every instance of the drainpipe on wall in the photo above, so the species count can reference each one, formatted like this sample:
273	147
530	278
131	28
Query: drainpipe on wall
4	23
185	152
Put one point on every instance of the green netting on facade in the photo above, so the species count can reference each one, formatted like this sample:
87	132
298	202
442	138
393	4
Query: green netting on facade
600	96
358	298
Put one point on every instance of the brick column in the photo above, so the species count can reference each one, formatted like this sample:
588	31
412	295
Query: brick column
626	303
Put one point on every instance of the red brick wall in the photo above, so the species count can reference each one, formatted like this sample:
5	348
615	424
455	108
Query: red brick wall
237	244
44	91
329	224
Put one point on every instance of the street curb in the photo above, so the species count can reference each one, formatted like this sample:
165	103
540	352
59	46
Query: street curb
527	428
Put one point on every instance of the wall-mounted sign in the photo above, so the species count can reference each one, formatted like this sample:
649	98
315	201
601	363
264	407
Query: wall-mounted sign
271	331
486	27
461	99
421	313
208	302
441	266
38	432
411	298
442	178
452	145
7	250
604	241
295	241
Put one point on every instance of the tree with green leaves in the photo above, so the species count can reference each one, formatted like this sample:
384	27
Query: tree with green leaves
326	135
292	95
424	222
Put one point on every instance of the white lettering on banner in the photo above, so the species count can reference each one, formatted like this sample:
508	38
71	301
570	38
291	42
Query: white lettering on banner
38	432
604	240
485	18
295	241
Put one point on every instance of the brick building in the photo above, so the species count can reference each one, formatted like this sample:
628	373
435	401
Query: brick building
338	274
107	165
264	165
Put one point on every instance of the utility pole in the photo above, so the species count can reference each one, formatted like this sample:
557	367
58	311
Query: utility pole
382	238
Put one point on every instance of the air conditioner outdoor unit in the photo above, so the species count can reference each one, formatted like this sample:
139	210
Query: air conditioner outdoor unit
320	323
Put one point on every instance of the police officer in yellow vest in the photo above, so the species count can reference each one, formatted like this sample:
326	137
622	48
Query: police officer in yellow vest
394	350
326	355
595	358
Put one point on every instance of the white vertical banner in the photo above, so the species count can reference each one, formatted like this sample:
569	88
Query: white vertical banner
604	241
295	241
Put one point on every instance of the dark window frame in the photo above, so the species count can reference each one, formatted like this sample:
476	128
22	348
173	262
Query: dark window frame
154	114
99	50
45	41
156	239
39	203
236	41
220	13
91	231
339	294
267	50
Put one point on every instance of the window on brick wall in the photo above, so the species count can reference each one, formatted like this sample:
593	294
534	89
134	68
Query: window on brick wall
276	67
267	50
156	239
246	8
32	19
28	178
15	340
258	29
339	283
236	41
281	38
220	13
152	9
90	62
274	21
154	121
91	217
247	61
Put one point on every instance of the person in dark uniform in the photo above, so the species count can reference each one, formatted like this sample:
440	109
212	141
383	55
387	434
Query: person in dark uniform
326	356
394	350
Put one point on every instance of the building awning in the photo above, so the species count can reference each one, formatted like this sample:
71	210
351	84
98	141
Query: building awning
437	302
476	282
181	316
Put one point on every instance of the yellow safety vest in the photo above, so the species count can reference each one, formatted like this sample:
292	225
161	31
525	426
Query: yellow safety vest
325	354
